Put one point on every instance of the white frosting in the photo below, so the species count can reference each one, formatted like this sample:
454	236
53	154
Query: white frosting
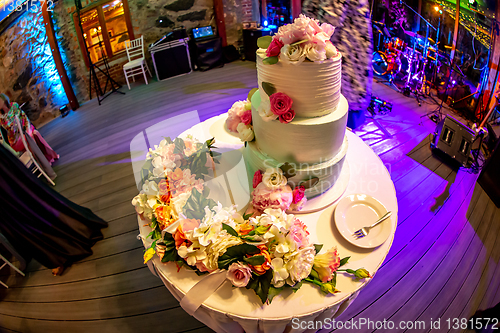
327	172
314	87
304	140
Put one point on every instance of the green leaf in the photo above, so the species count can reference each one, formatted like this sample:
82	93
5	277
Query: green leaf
344	261
167	139
299	42
269	88
154	223
262	229
264	42
310	182
247	216
179	146
314	275
261	285
318	247
297	286
350	271
252	238
255	260
273	292
194	208
236	253
229	229
270	60
288	170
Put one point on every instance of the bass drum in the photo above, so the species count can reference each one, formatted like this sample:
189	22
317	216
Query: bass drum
385	63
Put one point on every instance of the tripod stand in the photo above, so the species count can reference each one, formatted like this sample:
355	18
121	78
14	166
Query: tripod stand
436	113
101	95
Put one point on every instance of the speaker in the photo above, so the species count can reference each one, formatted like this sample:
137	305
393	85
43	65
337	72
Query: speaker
454	139
250	37
171	59
489	178
209	54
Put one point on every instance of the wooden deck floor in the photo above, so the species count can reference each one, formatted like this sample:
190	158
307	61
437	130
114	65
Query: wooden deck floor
444	262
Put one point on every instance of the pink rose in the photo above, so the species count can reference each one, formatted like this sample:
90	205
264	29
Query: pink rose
239	274
280	103
246	117
263	197
274	49
287	117
232	123
257	178
299	205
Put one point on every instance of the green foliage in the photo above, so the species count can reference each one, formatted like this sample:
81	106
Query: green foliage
264	42
344	261
261	285
170	251
273	291
299	42
255	260
229	230
195	205
288	170
318	247
251	92
270	60
297	286
269	88
179	146
236	253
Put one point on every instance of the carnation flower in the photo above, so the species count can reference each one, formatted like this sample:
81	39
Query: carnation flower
263	197
239	274
237	109
165	215
185	226
232	123
293	54
300	264
326	264
245	132
273	178
299	234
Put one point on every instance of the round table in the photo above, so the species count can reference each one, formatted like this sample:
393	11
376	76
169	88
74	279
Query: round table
233	310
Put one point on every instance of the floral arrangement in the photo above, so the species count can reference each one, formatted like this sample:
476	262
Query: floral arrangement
239	119
266	252
304	39
278	106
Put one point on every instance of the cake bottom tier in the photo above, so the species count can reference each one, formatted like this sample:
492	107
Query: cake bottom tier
327	172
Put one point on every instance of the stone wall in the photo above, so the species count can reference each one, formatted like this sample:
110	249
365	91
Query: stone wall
27	69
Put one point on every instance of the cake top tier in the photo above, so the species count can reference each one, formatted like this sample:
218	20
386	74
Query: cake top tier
303	40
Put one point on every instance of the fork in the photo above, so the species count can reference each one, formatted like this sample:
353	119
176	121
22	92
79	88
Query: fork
364	231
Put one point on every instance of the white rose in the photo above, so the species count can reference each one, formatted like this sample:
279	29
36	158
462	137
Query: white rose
292	54
265	110
315	52
331	51
300	264
245	132
273	178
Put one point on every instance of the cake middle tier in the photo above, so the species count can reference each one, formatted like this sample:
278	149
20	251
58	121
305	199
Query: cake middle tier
304	140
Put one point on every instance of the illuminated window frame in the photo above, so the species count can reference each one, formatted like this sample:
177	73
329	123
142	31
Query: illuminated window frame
107	44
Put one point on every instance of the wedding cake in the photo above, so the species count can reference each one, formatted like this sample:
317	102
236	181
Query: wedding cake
298	116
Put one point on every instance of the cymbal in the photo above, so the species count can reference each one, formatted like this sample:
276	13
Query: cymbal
448	47
431	40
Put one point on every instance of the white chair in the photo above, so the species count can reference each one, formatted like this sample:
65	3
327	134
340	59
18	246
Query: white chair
27	157
136	62
9	247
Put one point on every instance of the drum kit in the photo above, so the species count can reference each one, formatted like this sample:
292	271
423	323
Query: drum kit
414	66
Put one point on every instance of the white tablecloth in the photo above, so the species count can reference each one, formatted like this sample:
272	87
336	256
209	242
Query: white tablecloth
238	309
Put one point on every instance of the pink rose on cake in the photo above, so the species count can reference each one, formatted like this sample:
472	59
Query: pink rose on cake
263	197
280	103
257	178
246	117
234	115
274	49
287	117
299	198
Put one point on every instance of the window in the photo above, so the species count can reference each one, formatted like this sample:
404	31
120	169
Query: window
105	27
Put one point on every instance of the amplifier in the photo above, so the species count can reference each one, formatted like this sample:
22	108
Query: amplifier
250	37
209	53
453	139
